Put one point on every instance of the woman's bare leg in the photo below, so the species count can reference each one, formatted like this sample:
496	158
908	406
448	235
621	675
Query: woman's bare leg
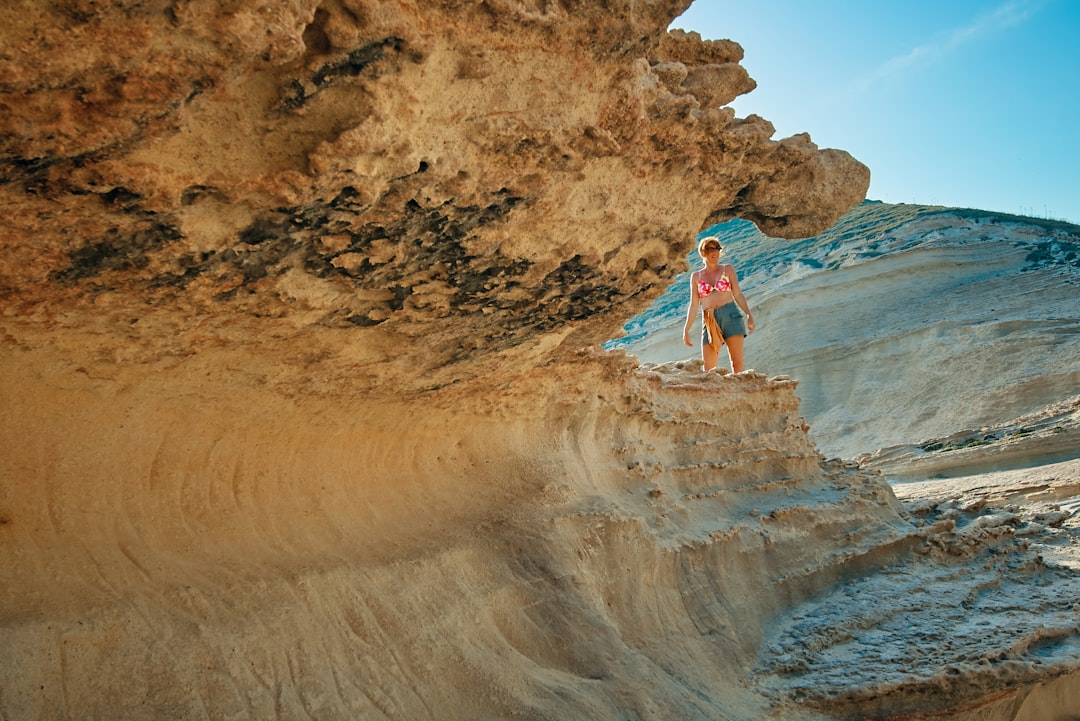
709	356
734	345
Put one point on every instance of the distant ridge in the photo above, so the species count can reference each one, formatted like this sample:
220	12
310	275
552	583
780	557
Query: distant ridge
760	258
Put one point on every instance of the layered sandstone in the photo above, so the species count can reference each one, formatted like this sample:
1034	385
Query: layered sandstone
907	325
593	541
297	420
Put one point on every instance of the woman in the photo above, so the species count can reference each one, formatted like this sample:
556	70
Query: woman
715	289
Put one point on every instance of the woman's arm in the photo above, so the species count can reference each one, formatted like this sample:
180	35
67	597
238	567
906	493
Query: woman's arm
740	299
691	310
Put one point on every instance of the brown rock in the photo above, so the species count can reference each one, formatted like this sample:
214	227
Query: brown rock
295	421
547	174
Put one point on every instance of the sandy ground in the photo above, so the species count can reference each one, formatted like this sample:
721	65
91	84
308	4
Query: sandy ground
990	597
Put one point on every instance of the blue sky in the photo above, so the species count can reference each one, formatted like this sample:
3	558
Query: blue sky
963	103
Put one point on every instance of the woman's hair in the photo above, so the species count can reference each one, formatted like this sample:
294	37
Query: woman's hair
708	239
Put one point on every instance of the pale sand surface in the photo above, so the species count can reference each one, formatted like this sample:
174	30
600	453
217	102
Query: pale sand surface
992	594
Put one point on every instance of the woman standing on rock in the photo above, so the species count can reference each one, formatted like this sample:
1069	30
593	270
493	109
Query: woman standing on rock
715	289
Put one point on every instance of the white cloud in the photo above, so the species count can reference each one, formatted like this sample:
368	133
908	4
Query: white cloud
1000	18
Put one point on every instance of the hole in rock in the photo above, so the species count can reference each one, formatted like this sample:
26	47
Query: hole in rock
315	37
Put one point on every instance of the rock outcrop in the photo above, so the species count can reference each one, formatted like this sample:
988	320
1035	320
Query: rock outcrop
297	420
431	190
596	541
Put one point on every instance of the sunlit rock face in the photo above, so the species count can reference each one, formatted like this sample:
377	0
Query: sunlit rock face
417	188
304	414
297	420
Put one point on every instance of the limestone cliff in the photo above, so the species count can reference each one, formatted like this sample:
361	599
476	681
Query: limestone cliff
296	417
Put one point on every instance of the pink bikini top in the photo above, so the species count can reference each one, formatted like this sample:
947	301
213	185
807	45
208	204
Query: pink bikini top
704	289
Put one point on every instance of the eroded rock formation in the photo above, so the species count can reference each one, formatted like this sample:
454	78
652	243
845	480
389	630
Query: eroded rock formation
594	542
417	186
938	346
297	420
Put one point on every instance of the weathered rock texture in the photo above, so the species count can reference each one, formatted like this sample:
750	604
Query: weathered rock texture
296	421
420	187
590	543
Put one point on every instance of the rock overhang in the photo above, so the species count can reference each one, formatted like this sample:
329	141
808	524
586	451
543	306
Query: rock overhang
450	183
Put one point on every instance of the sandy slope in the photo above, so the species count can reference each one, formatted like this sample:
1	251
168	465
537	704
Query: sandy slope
628	542
618	544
